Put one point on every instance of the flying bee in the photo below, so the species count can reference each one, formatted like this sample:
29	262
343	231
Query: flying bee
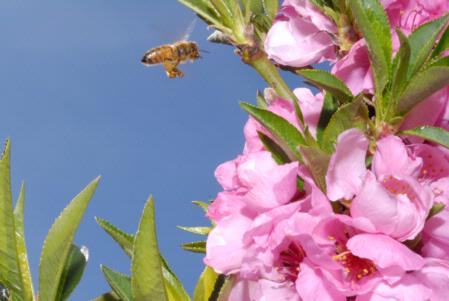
171	55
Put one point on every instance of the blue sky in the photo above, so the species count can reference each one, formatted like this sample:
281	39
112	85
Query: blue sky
76	103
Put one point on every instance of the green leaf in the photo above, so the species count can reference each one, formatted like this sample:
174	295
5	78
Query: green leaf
317	162
73	271
195	247
147	280
196	230
125	240
224	10
422	41
276	151
120	283
288	137
111	296
207	11
443	44
271	8
330	106
373	23
421	86
205	285
58	243
442	62
261	102
329	82
434	134
28	292
351	115
174	287
10	273
400	65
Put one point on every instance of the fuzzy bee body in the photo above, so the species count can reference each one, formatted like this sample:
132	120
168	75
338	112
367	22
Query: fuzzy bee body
171	55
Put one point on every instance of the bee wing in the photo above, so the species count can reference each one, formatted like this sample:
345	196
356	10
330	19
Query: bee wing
189	30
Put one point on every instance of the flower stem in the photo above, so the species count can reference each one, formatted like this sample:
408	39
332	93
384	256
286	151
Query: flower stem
271	75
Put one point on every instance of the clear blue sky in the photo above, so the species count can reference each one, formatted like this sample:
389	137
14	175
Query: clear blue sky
76	103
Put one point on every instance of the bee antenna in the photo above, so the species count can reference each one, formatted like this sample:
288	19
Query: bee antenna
205	51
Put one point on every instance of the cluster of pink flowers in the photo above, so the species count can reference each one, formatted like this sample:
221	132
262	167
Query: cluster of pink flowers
281	241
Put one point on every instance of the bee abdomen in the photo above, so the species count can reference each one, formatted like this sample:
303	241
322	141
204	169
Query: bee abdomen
157	55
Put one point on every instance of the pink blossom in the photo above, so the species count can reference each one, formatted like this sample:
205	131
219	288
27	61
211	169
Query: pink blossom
355	69
390	199
347	166
300	35
435	236
409	14
311	106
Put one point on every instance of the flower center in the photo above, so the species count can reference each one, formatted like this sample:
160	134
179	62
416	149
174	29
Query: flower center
289	261
356	268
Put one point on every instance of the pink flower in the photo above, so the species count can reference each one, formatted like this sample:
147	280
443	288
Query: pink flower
409	14
390	199
300	35
435	236
311	106
355	69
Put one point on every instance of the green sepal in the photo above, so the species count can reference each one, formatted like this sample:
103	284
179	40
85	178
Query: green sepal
195	247
202	205
196	230
442	45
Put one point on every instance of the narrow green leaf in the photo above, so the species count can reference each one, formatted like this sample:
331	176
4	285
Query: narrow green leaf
330	106
276	151
195	247
224	11
202	205
287	135
111	296
205	285
329	82
120	283
196	230
434	134
206	11
73	271
58	243
28	292
441	62
271	8
372	21
422	41
147	280
125	240
443	44
400	65
421	86
174	287
351	115
10	273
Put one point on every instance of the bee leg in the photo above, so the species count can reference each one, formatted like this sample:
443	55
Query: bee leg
172	70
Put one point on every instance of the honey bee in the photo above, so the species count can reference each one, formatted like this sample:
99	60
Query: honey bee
171	55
